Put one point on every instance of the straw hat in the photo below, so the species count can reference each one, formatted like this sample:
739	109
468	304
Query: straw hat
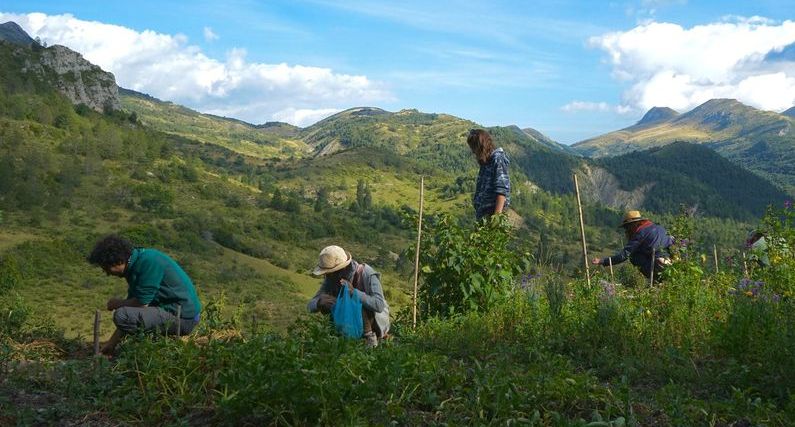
630	217
332	258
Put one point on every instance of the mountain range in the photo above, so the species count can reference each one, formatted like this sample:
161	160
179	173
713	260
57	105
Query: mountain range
761	141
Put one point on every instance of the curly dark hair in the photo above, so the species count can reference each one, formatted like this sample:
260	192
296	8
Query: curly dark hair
111	250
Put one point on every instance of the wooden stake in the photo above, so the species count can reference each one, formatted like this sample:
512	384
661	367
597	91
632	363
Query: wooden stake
179	320
610	261
715	253
582	233
745	265
417	254
96	332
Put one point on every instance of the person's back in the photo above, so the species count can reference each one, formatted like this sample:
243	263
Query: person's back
158	281
654	242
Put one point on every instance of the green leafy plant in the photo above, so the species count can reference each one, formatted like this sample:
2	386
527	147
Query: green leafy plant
468	269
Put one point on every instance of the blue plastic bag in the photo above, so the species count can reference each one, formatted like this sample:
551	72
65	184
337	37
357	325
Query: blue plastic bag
347	314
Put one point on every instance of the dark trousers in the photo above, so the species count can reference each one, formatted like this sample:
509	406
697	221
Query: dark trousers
150	319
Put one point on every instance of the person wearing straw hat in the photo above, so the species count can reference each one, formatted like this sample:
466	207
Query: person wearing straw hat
645	240
339	270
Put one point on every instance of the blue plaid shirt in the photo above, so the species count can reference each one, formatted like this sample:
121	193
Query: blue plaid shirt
492	180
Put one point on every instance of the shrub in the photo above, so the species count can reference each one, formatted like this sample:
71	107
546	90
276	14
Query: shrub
155	198
468	270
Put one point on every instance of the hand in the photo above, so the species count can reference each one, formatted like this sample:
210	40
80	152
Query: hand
596	261
325	303
347	285
114	303
107	349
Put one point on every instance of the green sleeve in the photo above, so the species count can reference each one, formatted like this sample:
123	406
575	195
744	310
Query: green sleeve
150	277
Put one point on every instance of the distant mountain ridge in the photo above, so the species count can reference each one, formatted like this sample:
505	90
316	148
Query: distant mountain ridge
432	143
762	141
640	180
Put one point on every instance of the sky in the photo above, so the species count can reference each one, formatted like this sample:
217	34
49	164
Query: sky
569	69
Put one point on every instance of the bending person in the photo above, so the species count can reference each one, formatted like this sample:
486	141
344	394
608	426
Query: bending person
156	285
339	269
645	240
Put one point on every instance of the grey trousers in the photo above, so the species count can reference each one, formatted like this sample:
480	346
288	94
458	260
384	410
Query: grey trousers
150	319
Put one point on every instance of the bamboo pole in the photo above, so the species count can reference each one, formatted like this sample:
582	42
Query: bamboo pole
653	262
96	332
715	253
417	254
582	233
179	320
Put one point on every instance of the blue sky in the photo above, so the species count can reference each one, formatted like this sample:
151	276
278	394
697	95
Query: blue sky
570	69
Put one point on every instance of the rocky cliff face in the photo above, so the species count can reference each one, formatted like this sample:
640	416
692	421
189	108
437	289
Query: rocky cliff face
79	80
601	186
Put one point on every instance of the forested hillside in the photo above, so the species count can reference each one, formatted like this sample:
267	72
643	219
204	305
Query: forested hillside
696	176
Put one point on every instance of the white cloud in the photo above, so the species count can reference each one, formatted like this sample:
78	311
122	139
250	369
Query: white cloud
576	106
168	67
209	34
671	66
304	116
585	106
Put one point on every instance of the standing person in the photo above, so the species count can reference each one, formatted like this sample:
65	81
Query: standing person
644	240
493	188
156	285
340	270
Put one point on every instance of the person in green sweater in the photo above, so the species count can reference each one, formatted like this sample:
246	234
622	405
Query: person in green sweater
156	286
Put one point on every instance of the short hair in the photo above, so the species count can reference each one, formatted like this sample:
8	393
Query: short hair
111	250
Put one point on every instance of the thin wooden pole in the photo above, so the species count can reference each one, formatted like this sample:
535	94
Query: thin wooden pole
612	277
653	262
745	265
96	332
417	254
179	320
582	233
715	253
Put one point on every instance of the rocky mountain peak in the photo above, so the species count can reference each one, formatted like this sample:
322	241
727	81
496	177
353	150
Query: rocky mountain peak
11	32
66	70
790	112
656	115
